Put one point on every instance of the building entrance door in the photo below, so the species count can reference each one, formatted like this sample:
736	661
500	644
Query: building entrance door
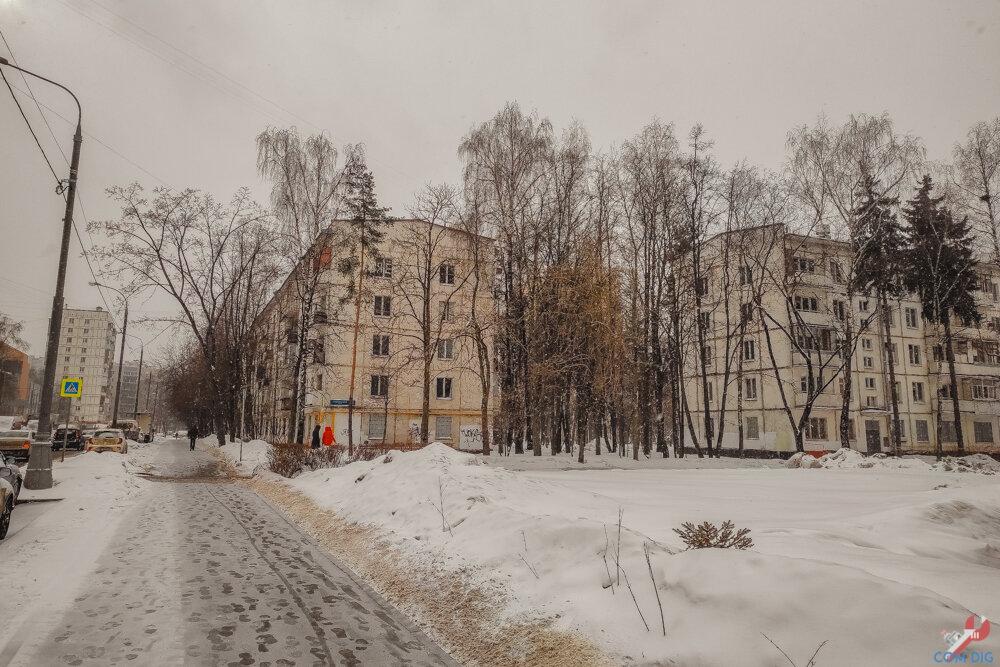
873	435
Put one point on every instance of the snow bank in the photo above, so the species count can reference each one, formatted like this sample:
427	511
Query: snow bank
849	459
254	455
552	552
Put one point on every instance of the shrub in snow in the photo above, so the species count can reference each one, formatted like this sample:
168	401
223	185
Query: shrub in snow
709	536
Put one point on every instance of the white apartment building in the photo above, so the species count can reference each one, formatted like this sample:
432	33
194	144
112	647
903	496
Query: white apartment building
86	350
757	375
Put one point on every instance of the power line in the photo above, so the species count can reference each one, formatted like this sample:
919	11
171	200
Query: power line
76	230
206	79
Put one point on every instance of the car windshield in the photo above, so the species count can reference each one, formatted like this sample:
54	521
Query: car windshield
14	434
108	434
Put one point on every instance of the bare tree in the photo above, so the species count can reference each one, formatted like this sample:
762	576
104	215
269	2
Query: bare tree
308	186
977	176
199	252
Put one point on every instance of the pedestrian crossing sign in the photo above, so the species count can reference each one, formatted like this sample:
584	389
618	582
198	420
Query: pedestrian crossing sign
71	388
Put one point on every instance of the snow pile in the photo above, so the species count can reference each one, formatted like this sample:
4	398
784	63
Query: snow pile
254	455
980	463
802	460
849	459
106	479
554	551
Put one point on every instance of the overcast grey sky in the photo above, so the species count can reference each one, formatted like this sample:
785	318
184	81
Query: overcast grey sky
177	91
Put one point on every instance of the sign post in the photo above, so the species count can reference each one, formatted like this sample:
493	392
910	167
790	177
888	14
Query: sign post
69	389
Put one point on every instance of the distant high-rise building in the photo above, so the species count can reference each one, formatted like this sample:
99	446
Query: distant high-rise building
86	350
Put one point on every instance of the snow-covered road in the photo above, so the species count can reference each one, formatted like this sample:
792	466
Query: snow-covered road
204	572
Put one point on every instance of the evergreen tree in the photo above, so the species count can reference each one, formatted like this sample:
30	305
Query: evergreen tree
879	251
942	272
369	221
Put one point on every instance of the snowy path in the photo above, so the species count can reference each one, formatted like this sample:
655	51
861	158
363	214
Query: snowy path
205	572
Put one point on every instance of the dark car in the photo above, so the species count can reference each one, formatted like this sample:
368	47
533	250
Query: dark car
73	436
8	492
10	472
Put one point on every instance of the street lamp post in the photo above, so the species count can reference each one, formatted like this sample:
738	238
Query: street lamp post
39	474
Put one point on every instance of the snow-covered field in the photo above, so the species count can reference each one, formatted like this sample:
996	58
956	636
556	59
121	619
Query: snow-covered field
876	561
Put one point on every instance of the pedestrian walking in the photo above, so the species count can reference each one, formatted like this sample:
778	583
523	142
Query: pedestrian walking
192	435
315	437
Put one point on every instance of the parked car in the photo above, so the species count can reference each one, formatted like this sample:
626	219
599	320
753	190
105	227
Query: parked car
71	433
10	472
108	440
16	444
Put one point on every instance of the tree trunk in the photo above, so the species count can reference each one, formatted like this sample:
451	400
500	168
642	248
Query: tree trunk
897	444
956	411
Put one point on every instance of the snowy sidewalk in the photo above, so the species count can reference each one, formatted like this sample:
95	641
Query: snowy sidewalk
199	572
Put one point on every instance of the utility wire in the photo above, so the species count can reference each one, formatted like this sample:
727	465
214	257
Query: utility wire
76	229
30	129
208	79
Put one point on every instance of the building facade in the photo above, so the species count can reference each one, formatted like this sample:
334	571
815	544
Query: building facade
776	308
133	386
15	380
416	292
86	350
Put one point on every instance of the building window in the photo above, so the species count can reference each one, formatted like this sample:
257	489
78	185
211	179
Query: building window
838	310
746	275
983	431
383	306
446	348
948	431
868	362
447	312
805	265
709	392
807	385
921	430
750	388
806	304
443	388
982	391
918	392
911	317
863	305
869	383
705	319
816	429
836	272
380	386
376	426
447	274
383	269
752	428
706	351
749	350
866	343
442	428
318	382
380	345
746	312
914	351
702	286
871	402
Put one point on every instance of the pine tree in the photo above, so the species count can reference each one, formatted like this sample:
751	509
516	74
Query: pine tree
369	221
942	272
879	250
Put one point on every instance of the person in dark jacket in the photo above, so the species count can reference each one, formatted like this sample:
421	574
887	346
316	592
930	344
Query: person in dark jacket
315	437
192	435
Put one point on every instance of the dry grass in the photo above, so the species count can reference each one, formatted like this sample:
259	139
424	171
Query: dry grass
462	617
